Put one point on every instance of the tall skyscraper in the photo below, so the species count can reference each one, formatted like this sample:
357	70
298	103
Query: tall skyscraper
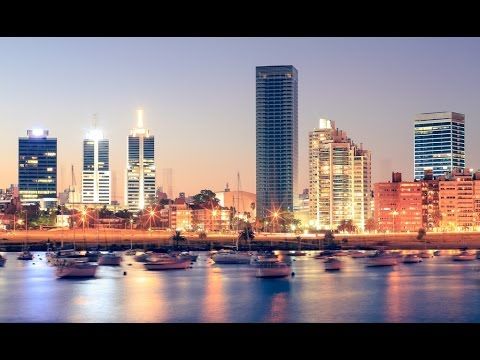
277	138
140	187
96	177
37	168
340	178
439	143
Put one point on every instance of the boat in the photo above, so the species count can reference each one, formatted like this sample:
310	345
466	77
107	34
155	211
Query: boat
425	254
333	264
3	260
438	253
166	262
411	259
231	257
465	255
25	255
58	257
143	257
264	257
130	252
187	255
109	259
296	253
93	255
275	269
381	258
71	269
356	254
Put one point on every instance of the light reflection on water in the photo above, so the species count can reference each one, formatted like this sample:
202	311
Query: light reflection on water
436	290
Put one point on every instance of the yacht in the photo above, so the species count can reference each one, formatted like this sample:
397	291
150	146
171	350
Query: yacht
25	255
65	254
109	259
268	269
3	260
166	262
93	255
76	269
411	259
381	258
143	257
465	255
333	264
262	258
231	257
356	254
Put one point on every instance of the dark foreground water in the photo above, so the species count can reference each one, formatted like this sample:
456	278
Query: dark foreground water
437	290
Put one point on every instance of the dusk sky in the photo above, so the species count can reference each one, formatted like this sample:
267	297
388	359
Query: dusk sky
198	96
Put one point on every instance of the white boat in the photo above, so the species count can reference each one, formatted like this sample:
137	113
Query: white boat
465	256
25	255
3	260
58	257
273	270
143	257
425	254
358	254
381	258
333	264
109	259
76	269
262	258
231	257
166	262
411	259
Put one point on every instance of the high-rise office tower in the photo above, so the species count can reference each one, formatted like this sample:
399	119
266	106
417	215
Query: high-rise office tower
277	138
37	168
340	178
140	185
96	177
439	143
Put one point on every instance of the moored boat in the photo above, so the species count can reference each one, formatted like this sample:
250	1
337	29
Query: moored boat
411	259
381	258
25	255
109	259
166	262
332	264
273	270
231	257
465	255
76	269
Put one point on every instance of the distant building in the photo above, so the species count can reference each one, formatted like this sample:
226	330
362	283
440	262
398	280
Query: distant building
96	179
301	208
439	143
243	202
276	138
340	178
140	184
37	168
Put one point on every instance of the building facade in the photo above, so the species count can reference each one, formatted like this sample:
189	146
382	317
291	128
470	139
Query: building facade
439	143
140	183
37	168
96	179
339	178
276	138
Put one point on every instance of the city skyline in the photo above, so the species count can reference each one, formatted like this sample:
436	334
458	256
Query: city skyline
366	84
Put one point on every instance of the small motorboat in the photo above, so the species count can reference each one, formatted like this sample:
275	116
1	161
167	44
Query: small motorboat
425	254
166	262
356	254
411	259
273	270
110	259
187	255
3	260
231	257
264	257
78	269
465	255
25	255
381	258
332	264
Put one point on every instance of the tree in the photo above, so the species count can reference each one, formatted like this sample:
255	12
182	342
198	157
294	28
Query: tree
206	199
178	238
347	225
421	234
246	234
124	214
104	213
370	225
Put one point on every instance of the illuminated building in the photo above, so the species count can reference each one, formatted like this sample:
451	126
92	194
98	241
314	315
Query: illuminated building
398	205
96	180
339	178
140	184
243	201
37	168
276	138
439	143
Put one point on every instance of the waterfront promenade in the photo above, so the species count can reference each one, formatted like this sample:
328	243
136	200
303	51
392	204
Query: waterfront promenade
109	237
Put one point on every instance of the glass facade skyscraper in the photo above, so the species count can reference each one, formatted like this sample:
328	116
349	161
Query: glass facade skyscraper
37	167
96	180
140	189
276	138
439	143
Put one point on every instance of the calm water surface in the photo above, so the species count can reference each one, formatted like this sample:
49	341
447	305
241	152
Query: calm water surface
436	290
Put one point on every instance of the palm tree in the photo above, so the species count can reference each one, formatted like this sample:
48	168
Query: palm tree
178	237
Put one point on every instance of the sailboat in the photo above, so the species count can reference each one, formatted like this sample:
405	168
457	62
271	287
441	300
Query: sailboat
25	254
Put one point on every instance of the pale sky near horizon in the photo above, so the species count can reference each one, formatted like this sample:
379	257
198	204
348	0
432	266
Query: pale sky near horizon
198	96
